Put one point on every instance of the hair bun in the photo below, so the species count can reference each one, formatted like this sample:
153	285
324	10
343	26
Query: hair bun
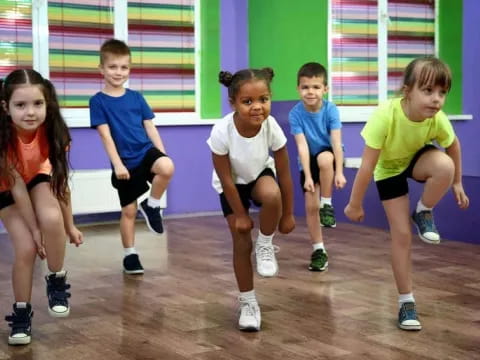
268	71
225	78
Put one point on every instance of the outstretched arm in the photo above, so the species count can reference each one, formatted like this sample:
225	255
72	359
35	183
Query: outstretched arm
153	135
336	140
354	209
455	152
282	165
121	172
304	155
24	204
75	235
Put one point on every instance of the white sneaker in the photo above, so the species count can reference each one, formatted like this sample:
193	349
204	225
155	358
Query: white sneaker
250	318
267	265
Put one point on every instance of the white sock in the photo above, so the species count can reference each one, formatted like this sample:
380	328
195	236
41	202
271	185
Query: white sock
248	295
60	273
152	202
129	251
21	305
421	207
264	239
403	298
317	246
325	200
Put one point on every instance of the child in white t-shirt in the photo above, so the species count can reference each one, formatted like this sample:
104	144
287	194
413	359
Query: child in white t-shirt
244	171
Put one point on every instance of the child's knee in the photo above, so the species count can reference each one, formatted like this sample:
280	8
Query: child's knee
129	212
271	196
325	160
26	254
50	219
164	167
446	167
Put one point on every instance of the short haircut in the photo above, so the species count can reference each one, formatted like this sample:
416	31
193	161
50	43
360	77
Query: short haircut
113	47
312	69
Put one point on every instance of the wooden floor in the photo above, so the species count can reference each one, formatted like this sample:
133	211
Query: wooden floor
184	307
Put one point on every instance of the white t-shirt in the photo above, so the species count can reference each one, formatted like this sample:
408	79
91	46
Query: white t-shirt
248	156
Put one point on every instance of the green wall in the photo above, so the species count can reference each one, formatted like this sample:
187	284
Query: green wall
210	95
285	34
450	49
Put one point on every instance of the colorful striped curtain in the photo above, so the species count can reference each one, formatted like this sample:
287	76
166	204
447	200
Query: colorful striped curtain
354	62
411	34
15	35
161	37
77	29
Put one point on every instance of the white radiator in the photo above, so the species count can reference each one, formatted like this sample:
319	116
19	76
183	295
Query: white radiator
92	192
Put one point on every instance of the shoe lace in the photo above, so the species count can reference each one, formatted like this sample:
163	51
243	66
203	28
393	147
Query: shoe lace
266	252
318	255
247	308
409	311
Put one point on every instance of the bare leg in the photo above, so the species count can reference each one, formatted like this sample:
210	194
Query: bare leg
267	192
163	169
312	205
242	263
325	165
127	224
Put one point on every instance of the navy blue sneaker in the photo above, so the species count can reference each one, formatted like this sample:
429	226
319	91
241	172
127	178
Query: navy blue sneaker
407	317
21	323
426	228
57	294
132	265
152	217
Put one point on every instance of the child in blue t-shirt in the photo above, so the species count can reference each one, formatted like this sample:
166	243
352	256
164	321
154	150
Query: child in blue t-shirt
316	125
124	121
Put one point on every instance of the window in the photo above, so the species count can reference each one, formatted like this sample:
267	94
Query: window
370	35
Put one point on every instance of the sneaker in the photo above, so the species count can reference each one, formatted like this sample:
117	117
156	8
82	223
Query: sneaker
426	228
407	317
57	294
327	216
250	317
21	323
319	260
267	265
152	217
132	265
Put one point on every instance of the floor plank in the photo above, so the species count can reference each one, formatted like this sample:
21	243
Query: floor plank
184	307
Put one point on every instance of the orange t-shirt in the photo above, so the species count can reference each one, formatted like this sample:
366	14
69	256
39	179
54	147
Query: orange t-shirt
32	158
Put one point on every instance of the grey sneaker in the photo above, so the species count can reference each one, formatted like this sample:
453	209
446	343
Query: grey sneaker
425	225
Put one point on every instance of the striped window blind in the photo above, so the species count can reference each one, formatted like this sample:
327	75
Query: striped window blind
354	62
15	35
77	29
161	37
411	34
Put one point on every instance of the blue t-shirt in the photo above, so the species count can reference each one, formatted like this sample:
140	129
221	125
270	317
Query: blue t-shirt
315	126
124	115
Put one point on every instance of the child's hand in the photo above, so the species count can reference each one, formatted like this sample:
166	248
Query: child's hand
287	224
309	185
76	236
121	172
243	223
340	181
354	213
460	196
40	244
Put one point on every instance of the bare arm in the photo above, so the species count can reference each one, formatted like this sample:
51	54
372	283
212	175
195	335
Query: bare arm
222	166
336	140
25	208
282	165
304	155
76	237
120	170
354	209
455	153
153	135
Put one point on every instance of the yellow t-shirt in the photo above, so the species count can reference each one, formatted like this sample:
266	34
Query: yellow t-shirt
399	138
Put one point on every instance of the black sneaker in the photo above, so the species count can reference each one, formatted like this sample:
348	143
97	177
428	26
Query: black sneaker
21	323
327	216
319	260
132	265
57	294
152	217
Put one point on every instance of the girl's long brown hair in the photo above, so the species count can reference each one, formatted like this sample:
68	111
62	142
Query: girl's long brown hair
56	130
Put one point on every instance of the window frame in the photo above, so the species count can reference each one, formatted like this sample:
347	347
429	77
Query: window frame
80	118
361	113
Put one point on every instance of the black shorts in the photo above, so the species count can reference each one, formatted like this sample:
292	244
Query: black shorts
245	193
315	171
130	190
397	185
6	197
